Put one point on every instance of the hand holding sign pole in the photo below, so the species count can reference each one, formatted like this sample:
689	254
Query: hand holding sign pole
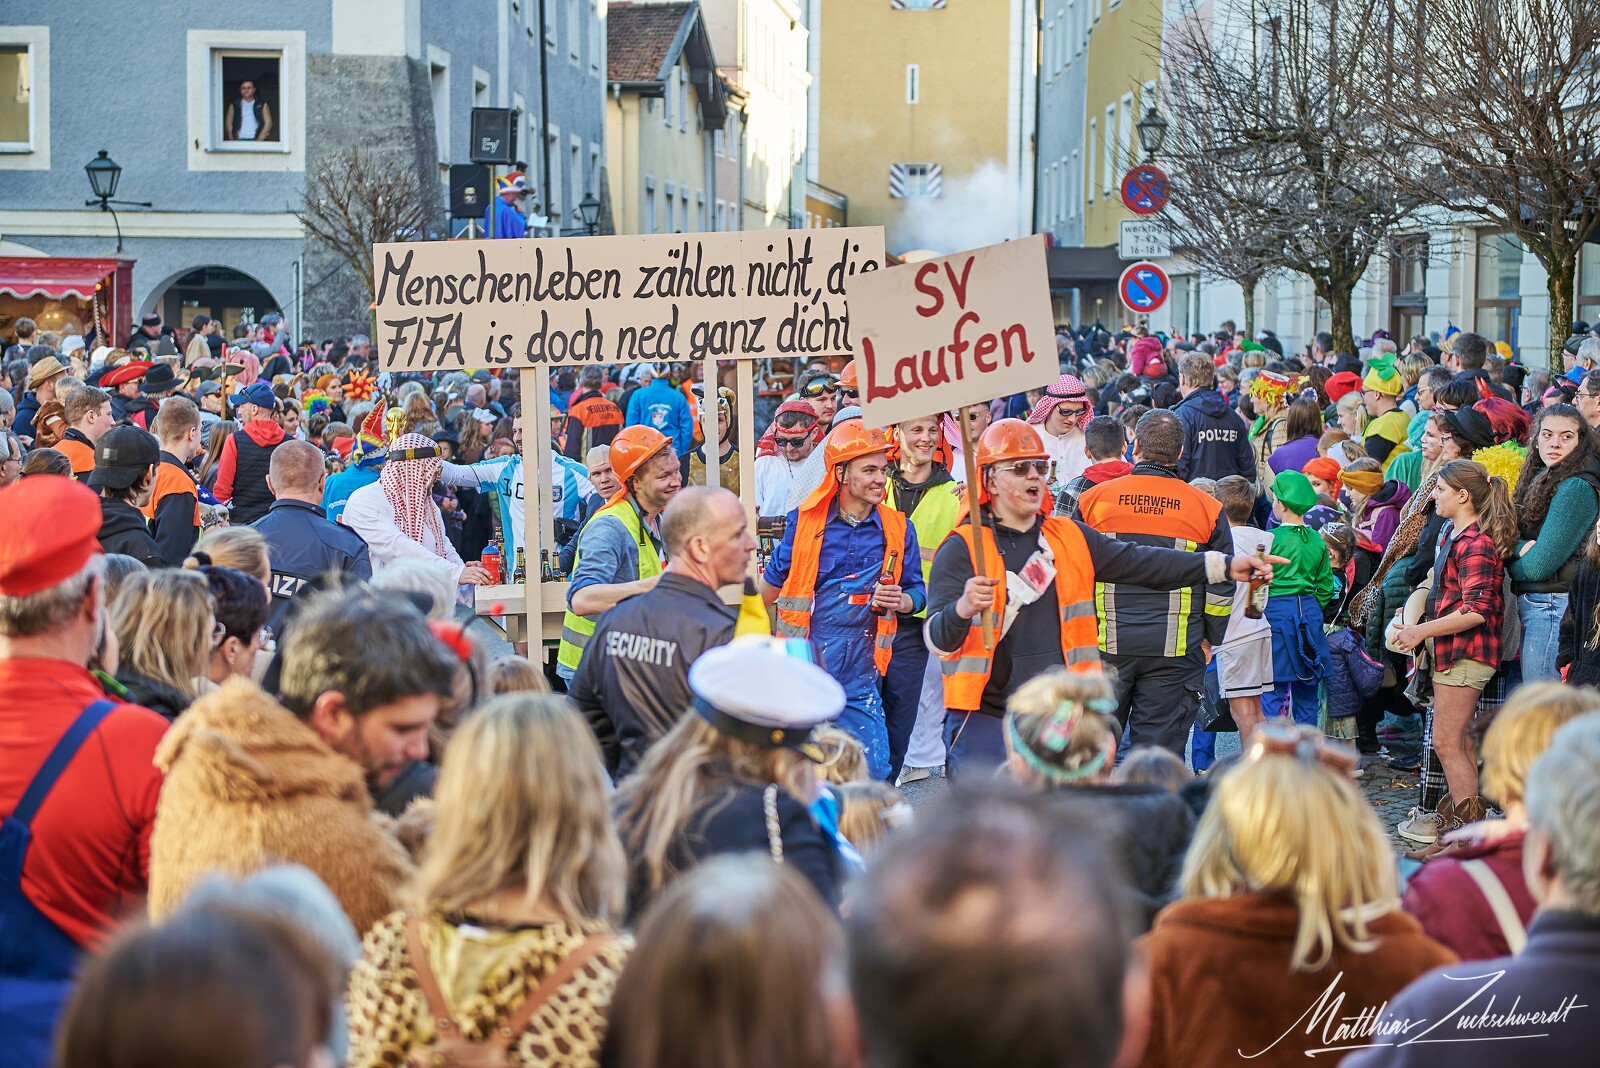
950	332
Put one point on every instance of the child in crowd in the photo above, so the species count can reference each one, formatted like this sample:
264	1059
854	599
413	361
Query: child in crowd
1241	670
1104	440
1299	591
1356	676
1463	631
1153	765
869	811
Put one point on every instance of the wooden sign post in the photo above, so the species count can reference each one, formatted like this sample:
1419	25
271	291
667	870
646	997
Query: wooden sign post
540	304
952	332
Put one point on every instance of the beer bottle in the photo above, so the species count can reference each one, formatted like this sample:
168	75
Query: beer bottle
520	574
545	572
888	576
1257	603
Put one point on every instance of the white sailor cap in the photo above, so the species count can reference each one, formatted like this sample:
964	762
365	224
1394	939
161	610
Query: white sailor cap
755	690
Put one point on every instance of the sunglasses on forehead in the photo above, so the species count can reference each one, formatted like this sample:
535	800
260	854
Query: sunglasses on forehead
818	386
1306	744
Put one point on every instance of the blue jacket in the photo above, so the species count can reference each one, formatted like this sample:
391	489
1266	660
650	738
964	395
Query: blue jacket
27	408
337	489
661	406
303	544
1216	441
508	221
1356	676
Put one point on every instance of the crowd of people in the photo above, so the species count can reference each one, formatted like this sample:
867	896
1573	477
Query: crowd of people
267	789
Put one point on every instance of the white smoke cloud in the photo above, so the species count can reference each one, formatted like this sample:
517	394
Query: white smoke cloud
970	212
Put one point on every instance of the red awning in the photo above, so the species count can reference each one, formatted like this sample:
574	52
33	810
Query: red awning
53	276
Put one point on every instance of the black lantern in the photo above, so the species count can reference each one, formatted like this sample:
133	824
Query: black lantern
1152	131
589	211
104	174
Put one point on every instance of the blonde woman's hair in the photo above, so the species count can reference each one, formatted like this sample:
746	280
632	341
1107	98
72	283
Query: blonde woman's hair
241	548
1522	729
1411	366
1049	710
523	803
694	759
1353	402
163	621
516	674
1283	826
843	758
864	812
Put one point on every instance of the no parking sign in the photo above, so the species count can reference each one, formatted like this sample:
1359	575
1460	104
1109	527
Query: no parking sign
1144	287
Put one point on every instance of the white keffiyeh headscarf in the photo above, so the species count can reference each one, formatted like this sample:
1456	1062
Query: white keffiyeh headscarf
408	484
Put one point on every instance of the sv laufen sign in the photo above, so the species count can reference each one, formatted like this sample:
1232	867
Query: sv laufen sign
531	303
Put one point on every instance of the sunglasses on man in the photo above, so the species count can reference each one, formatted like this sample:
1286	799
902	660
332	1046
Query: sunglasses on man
1023	467
790	443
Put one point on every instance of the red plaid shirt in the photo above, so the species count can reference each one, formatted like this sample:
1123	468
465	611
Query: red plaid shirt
1473	581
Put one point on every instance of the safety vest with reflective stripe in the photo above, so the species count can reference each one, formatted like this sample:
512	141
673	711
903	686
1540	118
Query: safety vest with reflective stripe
799	589
966	671
934	517
576	630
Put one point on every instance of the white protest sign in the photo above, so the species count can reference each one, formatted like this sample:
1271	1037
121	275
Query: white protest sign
528	303
933	336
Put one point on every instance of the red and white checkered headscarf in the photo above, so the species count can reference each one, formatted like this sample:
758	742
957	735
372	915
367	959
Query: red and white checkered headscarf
1066	388
408	484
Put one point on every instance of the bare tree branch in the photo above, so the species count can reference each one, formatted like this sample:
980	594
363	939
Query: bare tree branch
354	201
1270	148
1510	136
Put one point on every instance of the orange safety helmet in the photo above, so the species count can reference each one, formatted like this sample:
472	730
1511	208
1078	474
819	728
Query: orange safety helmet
634	445
847	377
851	440
1010	439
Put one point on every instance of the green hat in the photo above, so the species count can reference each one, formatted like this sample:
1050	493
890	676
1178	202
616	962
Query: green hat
1252	346
1382	376
1294	491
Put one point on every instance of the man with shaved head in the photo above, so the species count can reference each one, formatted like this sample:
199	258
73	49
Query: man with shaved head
633	681
302	543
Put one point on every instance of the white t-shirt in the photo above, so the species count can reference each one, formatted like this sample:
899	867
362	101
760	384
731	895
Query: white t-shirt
1067	453
1246	541
247	119
775	478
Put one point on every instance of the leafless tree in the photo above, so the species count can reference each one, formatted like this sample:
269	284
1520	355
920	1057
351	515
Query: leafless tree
1264	103
356	199
1494	109
1218	208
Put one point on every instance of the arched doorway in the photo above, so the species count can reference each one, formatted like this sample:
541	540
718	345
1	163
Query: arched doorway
224	293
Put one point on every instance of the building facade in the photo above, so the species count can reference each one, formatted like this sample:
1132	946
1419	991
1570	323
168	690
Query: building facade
923	116
762	47
666	103
225	166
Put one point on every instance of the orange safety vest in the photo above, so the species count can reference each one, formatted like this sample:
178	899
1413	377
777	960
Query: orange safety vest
81	456
966	671
799	590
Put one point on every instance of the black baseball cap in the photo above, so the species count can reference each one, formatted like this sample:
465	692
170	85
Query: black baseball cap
122	456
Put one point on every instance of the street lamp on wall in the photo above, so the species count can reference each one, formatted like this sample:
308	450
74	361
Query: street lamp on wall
589	212
104	174
1152	131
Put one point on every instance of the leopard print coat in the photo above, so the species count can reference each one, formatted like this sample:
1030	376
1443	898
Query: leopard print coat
389	1019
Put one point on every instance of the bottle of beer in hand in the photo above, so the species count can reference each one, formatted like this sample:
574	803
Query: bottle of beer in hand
1259	590
888	576
519	574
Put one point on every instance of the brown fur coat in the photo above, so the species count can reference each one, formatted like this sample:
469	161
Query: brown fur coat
248	784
